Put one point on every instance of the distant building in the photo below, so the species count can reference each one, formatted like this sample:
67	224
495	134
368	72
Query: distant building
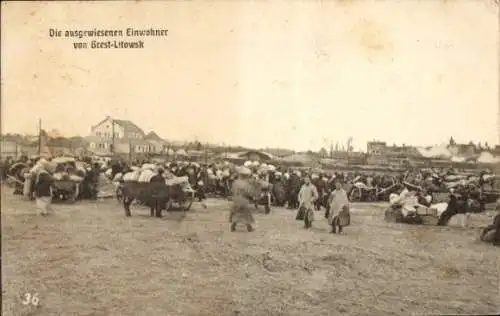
128	138
380	154
376	148
10	149
121	129
463	150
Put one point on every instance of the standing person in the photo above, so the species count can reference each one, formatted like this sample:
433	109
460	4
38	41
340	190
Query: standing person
339	208
43	189
159	192
242	193
308	194
95	180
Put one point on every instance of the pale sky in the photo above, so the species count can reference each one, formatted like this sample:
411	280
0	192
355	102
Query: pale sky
279	74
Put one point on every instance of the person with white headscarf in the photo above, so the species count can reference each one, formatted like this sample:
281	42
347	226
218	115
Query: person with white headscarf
339	208
242	193
43	188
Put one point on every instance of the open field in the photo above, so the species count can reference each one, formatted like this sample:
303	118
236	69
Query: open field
89	259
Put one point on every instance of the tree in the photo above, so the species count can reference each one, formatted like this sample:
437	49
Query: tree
452	141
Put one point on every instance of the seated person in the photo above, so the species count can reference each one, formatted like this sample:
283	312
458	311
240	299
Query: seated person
492	232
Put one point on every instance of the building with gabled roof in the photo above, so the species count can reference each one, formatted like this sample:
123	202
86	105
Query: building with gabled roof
120	129
153	136
123	134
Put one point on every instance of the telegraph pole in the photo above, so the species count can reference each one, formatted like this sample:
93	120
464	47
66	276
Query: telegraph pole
113	137
206	153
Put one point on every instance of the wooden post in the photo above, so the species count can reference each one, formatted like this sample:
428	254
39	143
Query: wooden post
112	149
130	151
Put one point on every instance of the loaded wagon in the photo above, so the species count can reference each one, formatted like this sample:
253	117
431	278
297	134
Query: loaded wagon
176	193
67	183
490	190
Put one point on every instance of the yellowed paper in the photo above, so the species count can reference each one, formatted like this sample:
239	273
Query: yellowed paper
354	88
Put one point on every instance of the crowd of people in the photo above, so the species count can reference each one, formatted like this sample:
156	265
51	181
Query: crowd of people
303	189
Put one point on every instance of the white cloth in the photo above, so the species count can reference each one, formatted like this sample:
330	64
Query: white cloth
44	205
307	195
27	187
439	207
132	176
338	199
410	204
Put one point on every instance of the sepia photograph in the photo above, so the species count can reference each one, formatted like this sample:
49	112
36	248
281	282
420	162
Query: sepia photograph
250	158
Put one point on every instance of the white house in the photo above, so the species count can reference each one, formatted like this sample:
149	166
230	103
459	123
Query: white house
127	137
122	129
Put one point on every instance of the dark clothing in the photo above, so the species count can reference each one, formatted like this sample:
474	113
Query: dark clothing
158	186
93	175
496	228
43	184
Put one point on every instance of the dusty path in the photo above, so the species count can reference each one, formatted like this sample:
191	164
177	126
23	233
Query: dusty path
89	259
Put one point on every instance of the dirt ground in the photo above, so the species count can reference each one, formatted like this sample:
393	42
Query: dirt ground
89	259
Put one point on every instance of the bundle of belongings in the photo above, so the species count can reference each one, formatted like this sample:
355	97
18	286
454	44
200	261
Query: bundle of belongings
57	172
63	175
147	172
453	181
408	202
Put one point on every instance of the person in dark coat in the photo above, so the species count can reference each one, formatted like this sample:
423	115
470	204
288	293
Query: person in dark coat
159	193
492	232
43	189
294	185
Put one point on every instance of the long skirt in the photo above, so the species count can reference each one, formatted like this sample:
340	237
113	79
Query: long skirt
342	219
44	204
241	211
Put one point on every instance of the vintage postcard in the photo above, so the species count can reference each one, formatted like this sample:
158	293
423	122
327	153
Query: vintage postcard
250	158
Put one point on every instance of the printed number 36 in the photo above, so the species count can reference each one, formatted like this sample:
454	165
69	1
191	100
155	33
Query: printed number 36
31	299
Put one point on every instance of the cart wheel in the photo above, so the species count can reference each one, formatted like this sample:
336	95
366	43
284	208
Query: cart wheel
186	204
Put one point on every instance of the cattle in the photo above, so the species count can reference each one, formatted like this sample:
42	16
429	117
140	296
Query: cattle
156	195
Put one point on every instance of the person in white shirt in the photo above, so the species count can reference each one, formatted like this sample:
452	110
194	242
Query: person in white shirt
308	194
